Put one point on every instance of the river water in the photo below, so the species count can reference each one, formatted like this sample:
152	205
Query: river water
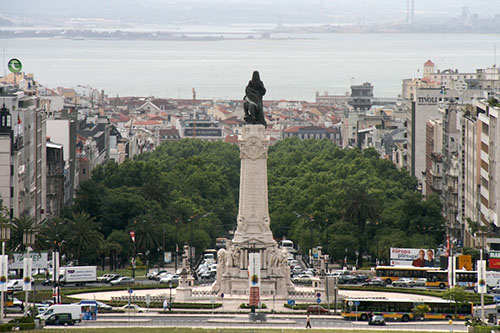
291	68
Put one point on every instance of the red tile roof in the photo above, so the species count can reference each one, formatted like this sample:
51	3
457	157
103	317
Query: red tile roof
429	63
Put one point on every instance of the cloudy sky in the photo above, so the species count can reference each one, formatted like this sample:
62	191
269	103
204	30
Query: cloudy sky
246	11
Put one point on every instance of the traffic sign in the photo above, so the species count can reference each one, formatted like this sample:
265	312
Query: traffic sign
222	295
356	303
130	291
496	299
461	86
318	300
15	65
291	302
318	295
350	303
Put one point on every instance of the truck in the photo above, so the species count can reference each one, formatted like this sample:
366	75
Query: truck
74	309
78	275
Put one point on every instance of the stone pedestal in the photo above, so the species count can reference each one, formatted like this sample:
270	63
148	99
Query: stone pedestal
253	233
183	292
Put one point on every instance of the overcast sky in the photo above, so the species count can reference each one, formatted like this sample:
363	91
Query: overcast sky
246	11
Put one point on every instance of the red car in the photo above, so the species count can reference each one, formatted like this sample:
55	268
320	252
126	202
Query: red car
315	309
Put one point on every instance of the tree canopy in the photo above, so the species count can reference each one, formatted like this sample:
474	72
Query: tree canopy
354	201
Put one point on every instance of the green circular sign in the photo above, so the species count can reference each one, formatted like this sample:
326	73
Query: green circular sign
15	65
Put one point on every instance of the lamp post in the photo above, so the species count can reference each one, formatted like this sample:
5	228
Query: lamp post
28	240
311	220
170	301
192	219
376	234
4	236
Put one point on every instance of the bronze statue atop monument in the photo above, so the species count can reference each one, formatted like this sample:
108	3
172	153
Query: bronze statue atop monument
253	105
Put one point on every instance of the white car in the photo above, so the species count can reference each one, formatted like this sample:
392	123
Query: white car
171	278
133	308
420	282
404	282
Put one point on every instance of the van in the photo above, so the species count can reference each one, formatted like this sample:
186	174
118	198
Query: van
74	309
60	319
287	245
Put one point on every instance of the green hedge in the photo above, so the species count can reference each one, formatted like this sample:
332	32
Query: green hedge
22	327
247	306
73	291
304	306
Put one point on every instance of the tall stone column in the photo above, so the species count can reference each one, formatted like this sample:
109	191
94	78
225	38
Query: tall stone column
253	214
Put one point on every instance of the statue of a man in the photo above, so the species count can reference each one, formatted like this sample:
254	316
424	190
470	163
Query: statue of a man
253	106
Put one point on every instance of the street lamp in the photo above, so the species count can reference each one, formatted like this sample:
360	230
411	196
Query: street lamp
4	236
192	219
311	220
170	302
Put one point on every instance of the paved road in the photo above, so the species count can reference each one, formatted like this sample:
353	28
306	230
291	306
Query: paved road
214	321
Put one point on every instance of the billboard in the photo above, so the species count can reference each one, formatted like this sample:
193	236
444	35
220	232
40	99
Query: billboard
494	259
412	257
40	260
254	278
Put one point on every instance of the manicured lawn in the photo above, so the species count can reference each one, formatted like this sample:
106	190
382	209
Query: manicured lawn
211	330
139	273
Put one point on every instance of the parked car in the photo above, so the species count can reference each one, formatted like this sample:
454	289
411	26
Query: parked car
420	282
171	278
315	309
404	282
124	280
153	275
297	270
377	319
303	278
374	283
60	319
347	279
133	308
104	278
111	277
361	278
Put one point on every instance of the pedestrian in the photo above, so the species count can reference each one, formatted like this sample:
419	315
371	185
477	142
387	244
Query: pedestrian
308	322
165	305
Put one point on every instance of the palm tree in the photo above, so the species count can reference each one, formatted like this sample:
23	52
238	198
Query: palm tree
19	227
52	234
84	236
359	207
148	234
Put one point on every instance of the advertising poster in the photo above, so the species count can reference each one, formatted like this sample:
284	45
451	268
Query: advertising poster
412	257
254	278
494	260
27	267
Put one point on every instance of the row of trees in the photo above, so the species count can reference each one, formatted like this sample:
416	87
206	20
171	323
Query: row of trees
349	201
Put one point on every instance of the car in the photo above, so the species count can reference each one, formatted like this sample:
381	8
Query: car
495	290
100	305
293	263
15	285
303	278
110	278
124	280
60	319
374	283
104	278
162	275
420	282
296	270
361	278
347	279
171	278
311	271
133	308
153	275
404	282
377	319
316	309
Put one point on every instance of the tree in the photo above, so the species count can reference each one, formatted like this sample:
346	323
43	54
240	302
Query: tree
148	235
52	234
360	206
84	237
457	295
19	227
421	310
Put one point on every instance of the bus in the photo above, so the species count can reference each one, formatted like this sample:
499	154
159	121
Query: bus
466	279
221	243
402	309
392	273
437	278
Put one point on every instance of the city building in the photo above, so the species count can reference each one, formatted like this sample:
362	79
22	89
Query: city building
361	98
23	154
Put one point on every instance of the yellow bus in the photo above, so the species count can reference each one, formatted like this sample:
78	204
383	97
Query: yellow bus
392	273
437	278
399	309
